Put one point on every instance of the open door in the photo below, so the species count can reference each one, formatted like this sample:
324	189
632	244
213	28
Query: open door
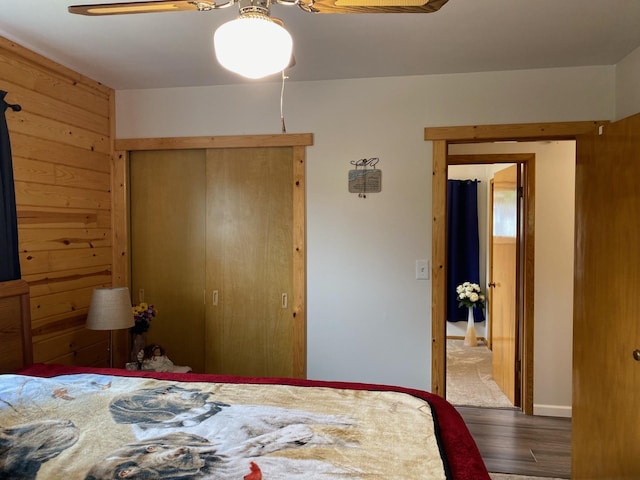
512	213
503	283
606	339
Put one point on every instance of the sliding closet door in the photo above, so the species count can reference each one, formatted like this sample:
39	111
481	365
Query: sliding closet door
168	248
249	261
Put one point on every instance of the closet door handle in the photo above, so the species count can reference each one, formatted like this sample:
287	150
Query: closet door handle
215	298
285	300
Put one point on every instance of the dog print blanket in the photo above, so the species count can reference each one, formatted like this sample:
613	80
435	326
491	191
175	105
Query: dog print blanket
93	426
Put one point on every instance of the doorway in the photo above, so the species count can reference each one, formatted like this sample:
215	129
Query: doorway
442	137
509	287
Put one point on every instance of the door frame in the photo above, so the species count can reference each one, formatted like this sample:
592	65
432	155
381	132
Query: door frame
120	216
524	265
441	137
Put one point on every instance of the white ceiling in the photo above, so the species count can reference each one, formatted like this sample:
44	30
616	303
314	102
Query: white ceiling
175	49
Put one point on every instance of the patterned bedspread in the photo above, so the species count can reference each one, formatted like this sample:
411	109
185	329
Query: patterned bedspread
90	426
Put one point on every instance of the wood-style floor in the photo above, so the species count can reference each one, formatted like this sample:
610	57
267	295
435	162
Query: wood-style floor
512	442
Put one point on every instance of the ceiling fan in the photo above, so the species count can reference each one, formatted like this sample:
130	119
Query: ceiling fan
313	6
255	44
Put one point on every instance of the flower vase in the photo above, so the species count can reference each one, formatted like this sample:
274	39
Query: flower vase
138	343
470	339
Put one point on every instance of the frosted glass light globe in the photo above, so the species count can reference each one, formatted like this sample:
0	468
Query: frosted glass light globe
253	45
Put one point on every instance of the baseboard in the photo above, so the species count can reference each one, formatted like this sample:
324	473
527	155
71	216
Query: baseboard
552	410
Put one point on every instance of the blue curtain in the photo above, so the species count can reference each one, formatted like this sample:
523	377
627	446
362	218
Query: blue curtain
9	260
463	244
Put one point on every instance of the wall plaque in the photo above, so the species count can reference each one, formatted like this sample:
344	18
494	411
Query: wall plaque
365	181
366	178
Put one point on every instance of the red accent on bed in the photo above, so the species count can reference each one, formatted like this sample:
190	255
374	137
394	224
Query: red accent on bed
462	458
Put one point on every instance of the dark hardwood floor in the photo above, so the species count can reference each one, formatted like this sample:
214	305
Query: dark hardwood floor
512	442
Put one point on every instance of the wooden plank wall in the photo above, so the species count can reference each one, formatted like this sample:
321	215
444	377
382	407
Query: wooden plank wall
62	144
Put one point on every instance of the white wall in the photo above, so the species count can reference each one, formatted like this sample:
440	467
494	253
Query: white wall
628	85
553	272
368	317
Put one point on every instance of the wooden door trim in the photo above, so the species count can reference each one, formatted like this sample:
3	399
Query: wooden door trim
299	264
223	141
120	211
441	137
506	132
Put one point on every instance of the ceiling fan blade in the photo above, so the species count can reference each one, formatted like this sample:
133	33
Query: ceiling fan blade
319	6
140	7
376	6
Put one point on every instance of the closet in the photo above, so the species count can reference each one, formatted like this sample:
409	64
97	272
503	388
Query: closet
217	245
249	261
168	200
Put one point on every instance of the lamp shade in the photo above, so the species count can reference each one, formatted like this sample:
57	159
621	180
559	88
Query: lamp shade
110	309
253	45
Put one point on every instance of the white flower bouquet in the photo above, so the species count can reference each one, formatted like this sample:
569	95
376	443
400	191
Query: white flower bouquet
470	295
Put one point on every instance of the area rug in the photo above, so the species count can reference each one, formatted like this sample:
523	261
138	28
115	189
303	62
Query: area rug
469	377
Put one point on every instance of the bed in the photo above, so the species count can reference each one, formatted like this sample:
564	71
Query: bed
87	423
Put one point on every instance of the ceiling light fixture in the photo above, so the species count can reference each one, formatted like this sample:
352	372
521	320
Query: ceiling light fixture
253	45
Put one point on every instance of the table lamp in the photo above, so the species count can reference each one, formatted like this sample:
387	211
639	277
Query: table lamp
110	309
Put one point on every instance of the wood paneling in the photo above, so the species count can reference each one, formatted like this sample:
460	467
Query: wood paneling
59	303
70	342
43	104
61	239
11	334
15	334
58	131
37	74
62	143
44	195
35	148
45	217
